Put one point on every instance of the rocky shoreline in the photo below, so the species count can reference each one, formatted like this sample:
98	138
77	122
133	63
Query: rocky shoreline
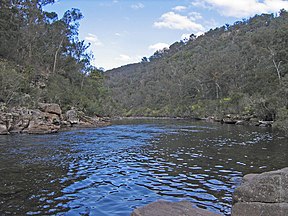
239	120
227	119
47	118
259	194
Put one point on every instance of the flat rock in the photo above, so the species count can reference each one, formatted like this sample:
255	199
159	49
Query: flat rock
165	208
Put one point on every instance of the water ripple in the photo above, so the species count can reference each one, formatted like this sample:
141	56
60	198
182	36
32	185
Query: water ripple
111	170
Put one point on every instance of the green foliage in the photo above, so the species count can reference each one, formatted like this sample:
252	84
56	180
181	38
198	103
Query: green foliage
237	69
282	120
13	85
44	59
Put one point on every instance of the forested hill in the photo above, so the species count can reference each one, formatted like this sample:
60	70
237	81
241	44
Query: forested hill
241	68
43	60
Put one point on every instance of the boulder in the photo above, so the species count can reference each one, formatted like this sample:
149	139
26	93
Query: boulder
262	194
165	208
50	108
72	117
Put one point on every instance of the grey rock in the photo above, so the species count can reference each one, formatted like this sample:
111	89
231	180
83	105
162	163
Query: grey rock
269	187
263	209
164	208
262	194
72	117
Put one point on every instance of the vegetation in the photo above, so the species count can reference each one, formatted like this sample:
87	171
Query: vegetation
237	69
43	60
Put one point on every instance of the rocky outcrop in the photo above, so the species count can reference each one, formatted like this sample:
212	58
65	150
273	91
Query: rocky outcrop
50	108
262	194
35	121
47	119
164	208
76	118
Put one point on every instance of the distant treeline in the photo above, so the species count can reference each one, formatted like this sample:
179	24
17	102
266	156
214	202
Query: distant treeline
234	69
43	60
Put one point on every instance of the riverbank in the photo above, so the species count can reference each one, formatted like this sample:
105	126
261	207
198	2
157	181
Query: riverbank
227	119
47	118
259	194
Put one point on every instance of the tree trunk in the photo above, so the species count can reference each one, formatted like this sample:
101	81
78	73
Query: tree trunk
56	56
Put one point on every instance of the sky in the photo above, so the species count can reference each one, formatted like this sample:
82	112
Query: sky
124	31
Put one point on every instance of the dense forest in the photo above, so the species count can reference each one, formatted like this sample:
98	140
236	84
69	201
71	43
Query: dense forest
43	60
234	69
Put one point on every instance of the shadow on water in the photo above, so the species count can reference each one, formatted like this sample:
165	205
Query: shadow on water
111	170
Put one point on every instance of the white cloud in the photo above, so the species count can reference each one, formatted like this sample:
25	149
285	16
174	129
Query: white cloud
195	16
172	20
158	46
124	58
137	6
93	39
201	3
179	8
242	8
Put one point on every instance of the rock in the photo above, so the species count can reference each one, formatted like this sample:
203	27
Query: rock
50	108
77	118
240	122
42	123
209	119
164	208
19	123
3	124
229	121
262	194
263	209
46	119
72	117
3	129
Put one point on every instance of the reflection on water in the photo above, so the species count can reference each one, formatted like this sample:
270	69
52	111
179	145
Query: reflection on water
111	170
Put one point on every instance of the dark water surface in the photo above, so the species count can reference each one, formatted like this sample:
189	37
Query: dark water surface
111	170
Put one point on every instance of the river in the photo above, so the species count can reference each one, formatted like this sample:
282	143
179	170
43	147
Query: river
112	170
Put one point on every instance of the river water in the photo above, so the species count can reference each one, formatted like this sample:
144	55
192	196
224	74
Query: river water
112	170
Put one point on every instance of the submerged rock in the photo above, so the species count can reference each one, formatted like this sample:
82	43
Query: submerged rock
165	208
262	194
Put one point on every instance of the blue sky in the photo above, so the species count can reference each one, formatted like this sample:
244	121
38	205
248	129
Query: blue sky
124	31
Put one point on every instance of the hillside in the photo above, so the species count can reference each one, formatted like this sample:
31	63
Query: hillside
237	69
43	60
